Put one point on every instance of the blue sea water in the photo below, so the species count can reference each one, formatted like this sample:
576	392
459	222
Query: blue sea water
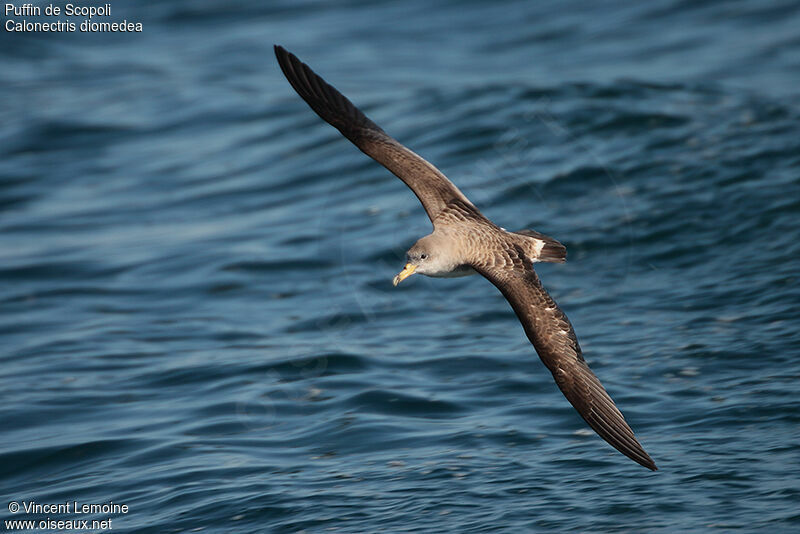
196	311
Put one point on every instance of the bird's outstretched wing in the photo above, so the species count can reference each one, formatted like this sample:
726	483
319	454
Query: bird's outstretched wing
432	188
551	333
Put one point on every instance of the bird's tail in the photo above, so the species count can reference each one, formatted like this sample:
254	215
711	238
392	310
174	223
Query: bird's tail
540	247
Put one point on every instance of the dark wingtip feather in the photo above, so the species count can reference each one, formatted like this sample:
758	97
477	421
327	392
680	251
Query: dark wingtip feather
332	106
597	408
616	432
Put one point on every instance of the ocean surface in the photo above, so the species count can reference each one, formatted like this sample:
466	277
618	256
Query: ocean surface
197	318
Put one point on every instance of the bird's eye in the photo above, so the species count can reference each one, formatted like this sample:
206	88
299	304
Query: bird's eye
423	256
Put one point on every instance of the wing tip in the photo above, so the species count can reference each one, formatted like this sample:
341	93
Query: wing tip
617	433
628	446
642	458
648	462
598	409
326	101
280	52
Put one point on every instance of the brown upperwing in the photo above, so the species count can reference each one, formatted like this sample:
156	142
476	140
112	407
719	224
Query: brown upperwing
551	334
430	186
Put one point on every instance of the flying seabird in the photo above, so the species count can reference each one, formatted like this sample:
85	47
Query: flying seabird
465	242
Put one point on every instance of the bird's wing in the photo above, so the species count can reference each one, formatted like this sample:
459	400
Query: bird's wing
432	188
551	333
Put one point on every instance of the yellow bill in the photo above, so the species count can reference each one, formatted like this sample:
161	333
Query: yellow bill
407	271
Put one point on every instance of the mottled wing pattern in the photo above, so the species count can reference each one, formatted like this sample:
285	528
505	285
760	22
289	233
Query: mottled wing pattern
430	186
551	334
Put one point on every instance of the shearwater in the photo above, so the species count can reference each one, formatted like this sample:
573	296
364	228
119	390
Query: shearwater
465	242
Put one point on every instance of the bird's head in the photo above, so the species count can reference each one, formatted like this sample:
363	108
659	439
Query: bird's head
425	257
